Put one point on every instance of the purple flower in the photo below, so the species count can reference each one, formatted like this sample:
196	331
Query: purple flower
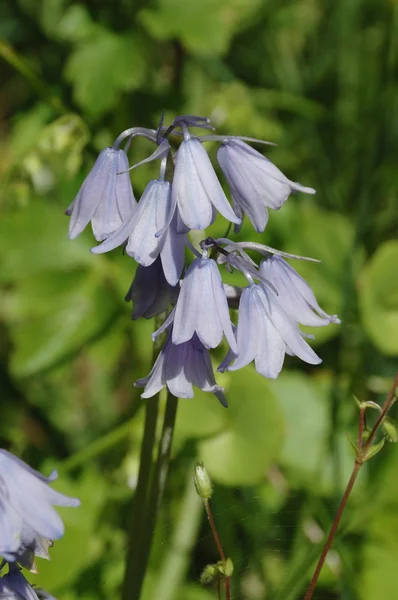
196	189
105	198
14	586
202	307
154	215
254	181
31	545
180	367
265	333
150	293
26	506
294	294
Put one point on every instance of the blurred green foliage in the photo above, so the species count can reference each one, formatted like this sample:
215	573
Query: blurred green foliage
320	80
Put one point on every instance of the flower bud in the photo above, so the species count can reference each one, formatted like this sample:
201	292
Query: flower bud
202	482
226	567
389	430
208	574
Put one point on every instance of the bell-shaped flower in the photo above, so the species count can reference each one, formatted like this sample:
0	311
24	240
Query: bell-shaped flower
265	333
105	197
14	586
150	231
202	306
180	367
294	294
26	505
256	184
196	189
150	293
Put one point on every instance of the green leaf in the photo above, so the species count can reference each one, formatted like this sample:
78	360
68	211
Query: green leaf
103	66
35	239
378	298
205	28
304	403
252	439
54	315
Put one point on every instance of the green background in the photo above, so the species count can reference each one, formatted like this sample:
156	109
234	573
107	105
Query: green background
320	80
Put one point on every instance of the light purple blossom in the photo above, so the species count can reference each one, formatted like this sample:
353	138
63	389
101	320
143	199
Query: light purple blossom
256	184
150	293
31	545
265	333
26	506
196	189
202	306
14	586
154	215
180	367
105	197
294	293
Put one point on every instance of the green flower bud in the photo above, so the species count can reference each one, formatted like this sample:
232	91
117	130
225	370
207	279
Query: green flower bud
389	430
209	573
202	482
228	567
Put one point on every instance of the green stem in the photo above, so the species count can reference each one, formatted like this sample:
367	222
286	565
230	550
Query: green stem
137	527
148	524
175	564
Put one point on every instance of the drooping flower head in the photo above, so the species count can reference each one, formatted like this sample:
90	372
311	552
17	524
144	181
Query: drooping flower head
14	586
26	507
256	184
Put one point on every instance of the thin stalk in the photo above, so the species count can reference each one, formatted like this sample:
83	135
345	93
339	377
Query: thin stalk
140	499
176	561
360	458
157	486
219	547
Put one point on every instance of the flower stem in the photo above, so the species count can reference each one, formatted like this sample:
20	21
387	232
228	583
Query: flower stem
131	587
175	563
134	582
360	458
219	547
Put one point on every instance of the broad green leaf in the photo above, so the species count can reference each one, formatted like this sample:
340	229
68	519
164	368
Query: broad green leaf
252	439
66	311
200	416
305	408
103	66
378	297
200	33
35	239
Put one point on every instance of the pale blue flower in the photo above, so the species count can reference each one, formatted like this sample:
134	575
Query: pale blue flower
31	545
26	506
150	293
265	333
14	586
105	197
150	231
256	184
294	293
180	367
196	189
202	306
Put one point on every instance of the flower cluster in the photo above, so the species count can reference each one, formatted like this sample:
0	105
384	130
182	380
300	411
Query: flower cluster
155	232
28	522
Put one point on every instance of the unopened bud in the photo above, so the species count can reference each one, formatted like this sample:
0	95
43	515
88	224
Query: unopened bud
228	567
202	482
209	573
389	430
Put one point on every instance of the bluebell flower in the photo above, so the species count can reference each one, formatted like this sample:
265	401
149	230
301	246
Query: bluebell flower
202	306
105	197
265	333
150	293
256	184
196	189
14	586
150	231
26	506
180	367
294	294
